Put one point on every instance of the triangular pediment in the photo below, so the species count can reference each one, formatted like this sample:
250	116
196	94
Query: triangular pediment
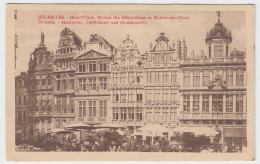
92	54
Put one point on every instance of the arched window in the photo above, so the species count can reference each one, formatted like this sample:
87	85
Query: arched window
41	59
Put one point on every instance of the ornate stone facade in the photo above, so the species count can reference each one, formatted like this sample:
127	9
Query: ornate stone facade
127	85
64	76
92	79
213	88
40	88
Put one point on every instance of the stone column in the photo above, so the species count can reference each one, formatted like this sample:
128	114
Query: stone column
201	77
181	78
210	104
245	78
234	78
244	106
200	108
224	104
234	105
191	77
180	109
191	103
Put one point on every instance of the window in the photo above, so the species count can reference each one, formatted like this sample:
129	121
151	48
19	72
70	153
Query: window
58	85
205	103
116	78
41	59
240	77
186	103
115	114
24	99
174	76
139	77
209	52
49	81
92	108
102	108
71	84
82	67
123	113
123	97
19	116
92	84
139	114
229	103
196	78
43	82
115	97
187	79
218	50
149	77
64	84
82	84
131	113
64	104
19	99
103	84
226	51
92	66
173	95
82	108
239	103
229	77
123	77
103	66
217	103
123	62
196	103
131	77
157	114
71	100
24	116
58	106
139	97
130	95
205	77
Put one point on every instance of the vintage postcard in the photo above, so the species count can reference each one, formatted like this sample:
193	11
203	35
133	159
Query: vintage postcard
130	82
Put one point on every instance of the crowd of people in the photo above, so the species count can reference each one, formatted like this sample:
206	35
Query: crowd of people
112	141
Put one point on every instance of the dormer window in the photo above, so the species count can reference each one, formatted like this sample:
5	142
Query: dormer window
218	50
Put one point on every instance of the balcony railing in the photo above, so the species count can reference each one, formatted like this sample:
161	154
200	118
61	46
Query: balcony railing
213	60
213	115
92	119
41	113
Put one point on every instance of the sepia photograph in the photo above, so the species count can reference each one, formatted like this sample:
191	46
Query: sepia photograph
114	80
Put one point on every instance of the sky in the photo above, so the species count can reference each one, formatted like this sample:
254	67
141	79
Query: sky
193	30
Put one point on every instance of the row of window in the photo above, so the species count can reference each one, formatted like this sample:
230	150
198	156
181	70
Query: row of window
161	114
161	58
161	77
123	97
161	95
65	50
91	84
129	113
206	77
65	84
217	103
89	108
62	105
92	66
219	51
131	76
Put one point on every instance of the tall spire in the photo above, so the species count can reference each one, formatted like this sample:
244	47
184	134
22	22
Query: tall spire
219	16
42	40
